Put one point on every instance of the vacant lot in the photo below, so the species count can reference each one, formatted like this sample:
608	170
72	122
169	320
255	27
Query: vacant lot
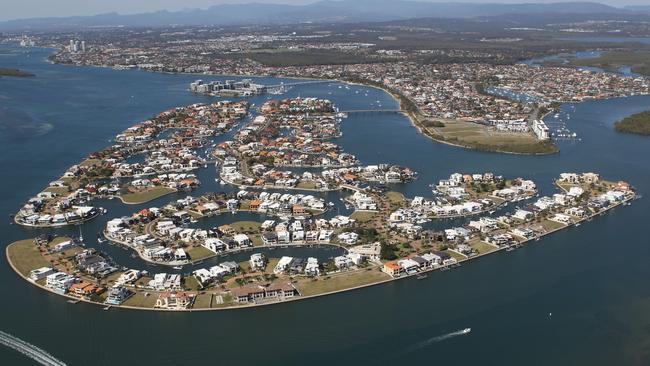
147	195
25	256
308	287
485	138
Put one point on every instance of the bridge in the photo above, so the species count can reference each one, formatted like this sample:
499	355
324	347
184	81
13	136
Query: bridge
29	350
299	83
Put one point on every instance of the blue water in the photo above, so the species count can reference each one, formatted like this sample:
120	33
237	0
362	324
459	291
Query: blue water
592	278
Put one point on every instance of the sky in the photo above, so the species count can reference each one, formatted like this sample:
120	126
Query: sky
19	9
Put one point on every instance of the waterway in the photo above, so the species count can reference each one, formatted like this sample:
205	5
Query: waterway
593	279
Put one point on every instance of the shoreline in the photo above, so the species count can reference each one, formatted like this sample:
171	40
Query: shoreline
354	288
393	94
415	122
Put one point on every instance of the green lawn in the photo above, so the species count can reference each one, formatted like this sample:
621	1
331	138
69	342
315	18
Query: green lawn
198	253
192	284
308	287
307	185
147	195
141	301
271	265
363	216
61	191
482	247
395	197
202	301
25	256
246	226
459	257
485	138
551	225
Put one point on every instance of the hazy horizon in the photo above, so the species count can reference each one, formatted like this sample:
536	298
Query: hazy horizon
47	8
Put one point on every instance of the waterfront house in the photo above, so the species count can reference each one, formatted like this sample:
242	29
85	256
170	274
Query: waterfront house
371	252
269	238
393	269
312	268
248	293
242	240
409	265
282	265
257	262
255	292
85	289
117	295
349	238
40	273
174	301
60	282
215	245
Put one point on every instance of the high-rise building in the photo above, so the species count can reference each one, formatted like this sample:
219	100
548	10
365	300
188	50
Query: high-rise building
83	46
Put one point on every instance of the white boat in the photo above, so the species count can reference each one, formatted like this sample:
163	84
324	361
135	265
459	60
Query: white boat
178	267
467	330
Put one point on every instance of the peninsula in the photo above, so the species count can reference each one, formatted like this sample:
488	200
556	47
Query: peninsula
379	249
386	237
14	73
638	123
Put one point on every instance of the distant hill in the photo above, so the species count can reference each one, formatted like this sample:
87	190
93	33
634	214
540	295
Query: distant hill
638	8
322	11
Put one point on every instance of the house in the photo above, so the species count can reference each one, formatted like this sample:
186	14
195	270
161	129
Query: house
257	262
269	238
85	289
349	238
283	237
283	265
561	218
248	293
523	215
409	265
60	282
65	245
230	266
253	292
312	267
343	262
371	252
117	295
40	273
242	240
128	276
393	269
174	301
431	259
215	245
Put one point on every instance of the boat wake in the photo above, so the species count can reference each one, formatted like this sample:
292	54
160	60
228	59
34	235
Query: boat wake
430	341
29	350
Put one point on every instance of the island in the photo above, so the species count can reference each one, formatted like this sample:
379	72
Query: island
387	237
637	123
14	73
